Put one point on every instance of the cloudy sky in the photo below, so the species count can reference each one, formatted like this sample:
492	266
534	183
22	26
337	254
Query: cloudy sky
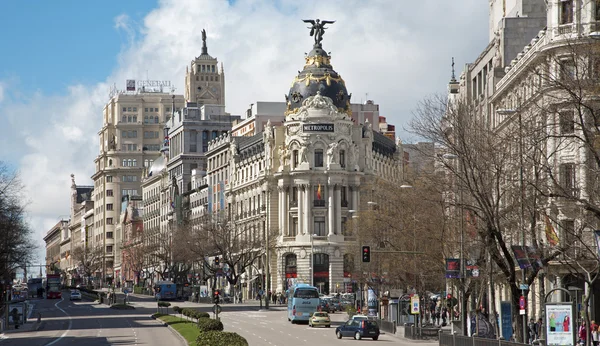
61	57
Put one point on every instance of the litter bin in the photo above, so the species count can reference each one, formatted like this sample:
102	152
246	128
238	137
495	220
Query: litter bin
409	330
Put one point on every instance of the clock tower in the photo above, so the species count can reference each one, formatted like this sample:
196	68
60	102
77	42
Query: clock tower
204	80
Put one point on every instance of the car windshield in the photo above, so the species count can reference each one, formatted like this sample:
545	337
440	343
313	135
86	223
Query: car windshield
320	314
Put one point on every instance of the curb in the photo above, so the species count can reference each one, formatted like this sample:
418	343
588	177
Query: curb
176	333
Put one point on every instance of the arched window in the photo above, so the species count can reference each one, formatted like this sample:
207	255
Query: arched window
156	120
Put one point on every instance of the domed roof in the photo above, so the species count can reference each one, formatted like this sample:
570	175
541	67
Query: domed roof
318	75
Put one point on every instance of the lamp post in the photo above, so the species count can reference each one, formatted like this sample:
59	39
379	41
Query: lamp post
463	301
312	260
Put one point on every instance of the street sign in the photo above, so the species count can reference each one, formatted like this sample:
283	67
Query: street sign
414	304
524	287
216	309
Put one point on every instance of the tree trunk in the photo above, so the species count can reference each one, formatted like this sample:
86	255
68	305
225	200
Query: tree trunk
516	295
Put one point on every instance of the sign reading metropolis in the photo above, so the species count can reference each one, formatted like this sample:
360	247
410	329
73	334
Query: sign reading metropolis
147	85
317	128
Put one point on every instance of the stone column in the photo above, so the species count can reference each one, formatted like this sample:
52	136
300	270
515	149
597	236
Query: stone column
301	208
281	209
355	198
308	209
331	207
338	210
286	209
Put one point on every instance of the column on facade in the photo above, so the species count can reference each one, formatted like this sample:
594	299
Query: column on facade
307	209
338	210
355	198
331	207
301	208
286	210
280	210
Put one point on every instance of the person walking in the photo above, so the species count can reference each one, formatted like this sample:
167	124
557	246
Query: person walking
582	333
531	328
594	332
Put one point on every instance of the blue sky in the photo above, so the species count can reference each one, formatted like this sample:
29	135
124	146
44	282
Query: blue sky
60	43
64	55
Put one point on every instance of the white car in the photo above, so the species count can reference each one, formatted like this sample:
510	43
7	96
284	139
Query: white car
75	295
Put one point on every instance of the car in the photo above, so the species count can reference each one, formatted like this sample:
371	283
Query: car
324	306
360	317
319	318
337	304
75	295
358	329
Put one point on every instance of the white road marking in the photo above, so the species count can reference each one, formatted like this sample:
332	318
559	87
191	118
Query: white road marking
68	328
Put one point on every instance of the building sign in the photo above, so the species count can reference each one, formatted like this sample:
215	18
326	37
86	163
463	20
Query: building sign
131	85
559	324
414	304
452	268
317	128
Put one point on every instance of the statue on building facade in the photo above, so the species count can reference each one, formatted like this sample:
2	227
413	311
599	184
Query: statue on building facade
267	139
283	156
332	153
303	156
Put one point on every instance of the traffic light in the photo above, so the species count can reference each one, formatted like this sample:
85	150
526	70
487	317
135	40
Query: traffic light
366	254
216	260
216	297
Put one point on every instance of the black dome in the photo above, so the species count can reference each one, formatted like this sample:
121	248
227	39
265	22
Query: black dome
318	75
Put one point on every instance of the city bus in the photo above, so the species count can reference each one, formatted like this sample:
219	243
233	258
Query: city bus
53	286
303	301
164	290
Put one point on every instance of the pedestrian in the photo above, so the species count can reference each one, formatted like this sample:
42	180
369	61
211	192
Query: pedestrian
538	327
582	333
594	331
531	329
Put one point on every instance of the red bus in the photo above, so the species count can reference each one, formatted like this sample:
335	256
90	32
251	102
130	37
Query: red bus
53	286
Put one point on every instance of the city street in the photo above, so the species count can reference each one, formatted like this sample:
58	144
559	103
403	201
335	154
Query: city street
93	324
90	324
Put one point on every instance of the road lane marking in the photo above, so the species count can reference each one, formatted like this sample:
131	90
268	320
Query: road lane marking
68	328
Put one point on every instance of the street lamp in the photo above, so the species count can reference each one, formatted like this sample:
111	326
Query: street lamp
463	301
312	260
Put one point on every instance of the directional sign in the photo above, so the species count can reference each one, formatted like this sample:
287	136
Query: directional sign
216	309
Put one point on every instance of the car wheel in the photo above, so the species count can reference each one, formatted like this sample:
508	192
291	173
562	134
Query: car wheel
375	338
357	336
338	334
328	326
310	324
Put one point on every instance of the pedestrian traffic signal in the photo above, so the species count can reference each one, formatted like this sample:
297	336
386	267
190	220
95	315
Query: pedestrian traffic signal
216	260
366	254
216	297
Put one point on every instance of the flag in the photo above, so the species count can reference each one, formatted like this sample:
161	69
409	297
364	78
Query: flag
319	192
550	232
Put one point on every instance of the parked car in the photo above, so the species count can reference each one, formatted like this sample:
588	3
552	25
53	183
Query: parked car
75	295
337	304
358	329
324	306
319	318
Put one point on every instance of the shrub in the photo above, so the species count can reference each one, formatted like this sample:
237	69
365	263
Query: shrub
208	324
215	338
177	309
202	314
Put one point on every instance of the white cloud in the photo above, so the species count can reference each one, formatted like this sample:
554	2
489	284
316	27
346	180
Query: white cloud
396	51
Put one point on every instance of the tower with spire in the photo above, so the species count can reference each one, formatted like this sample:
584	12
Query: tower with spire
204	81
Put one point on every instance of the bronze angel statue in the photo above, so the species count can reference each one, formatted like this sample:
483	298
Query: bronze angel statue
318	29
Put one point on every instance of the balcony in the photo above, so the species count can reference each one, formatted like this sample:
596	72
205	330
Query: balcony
319	203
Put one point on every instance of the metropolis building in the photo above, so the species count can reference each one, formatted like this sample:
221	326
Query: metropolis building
301	181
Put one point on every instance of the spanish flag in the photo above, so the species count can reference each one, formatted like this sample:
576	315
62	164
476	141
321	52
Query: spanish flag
550	232
319	192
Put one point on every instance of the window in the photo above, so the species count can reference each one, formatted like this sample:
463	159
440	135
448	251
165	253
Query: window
343	158
124	109
145	109
124	134
597	10
109	235
193	141
109	220
567	125
294	158
567	69
124	163
320	226
156	118
109	178
344	196
135	109
570	238
568	179
318	157
109	249
109	193
294	229
123	119
109	206
566	11
145	119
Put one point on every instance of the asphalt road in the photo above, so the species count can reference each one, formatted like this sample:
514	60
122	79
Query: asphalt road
91	324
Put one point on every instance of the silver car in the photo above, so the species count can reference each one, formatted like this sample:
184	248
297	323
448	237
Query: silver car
75	295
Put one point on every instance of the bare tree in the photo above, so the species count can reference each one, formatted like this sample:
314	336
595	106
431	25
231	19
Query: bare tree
88	260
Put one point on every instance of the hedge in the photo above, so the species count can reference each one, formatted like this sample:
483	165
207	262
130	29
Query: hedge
208	324
215	338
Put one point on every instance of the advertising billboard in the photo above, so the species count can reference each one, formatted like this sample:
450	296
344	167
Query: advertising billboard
559	324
